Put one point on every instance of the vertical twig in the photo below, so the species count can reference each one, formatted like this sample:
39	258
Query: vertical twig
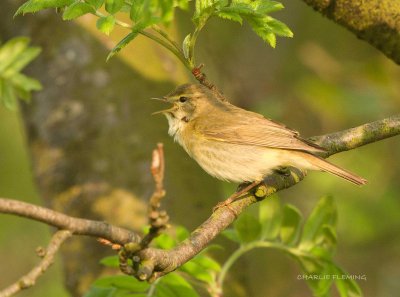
158	219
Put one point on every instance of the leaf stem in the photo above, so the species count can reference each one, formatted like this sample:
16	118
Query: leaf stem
171	47
248	247
152	289
192	44
166	36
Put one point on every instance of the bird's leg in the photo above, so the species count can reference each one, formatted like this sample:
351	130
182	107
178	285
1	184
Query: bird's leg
243	188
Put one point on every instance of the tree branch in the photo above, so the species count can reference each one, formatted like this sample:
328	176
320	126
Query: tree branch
61	221
29	279
151	263
375	21
157	262
355	137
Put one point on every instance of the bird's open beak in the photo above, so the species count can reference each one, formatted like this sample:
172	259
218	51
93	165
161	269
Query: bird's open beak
163	99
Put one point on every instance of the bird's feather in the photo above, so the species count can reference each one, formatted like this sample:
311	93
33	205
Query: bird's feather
248	128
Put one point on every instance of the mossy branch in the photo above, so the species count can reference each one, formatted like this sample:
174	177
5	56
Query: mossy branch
375	21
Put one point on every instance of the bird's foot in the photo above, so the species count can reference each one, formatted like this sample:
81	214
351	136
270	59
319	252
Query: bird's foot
242	189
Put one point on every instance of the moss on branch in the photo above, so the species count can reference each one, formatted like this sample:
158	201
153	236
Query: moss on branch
375	21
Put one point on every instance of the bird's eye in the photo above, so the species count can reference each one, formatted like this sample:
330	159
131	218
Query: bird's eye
183	99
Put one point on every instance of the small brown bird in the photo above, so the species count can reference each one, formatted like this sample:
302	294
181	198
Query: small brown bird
237	145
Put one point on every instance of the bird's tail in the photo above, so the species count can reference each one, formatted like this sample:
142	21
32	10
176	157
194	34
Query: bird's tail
324	165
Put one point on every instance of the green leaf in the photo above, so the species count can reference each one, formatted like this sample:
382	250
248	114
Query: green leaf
166	10
321	282
106	24
324	213
247	227
326	238
182	4
23	94
202	5
36	5
186	45
181	233
207	263
164	241
76	10
137	10
204	10
126	8
15	55
321	253
345	285
146	12
265	33
21	60
197	271
270	217
113	6
242	9
110	261
100	292
232	16
309	264
122	282
266	7
290	228
279	28
174	285
125	41
11	51
7	95
95	3
231	234
21	81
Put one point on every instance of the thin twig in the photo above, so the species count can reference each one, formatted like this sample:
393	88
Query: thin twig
30	278
61	221
202	78
158	219
166	36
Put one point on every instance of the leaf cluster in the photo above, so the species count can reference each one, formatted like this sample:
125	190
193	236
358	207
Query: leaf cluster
15	54
312	244
255	12
147	15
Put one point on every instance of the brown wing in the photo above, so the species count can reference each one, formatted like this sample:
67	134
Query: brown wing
240	126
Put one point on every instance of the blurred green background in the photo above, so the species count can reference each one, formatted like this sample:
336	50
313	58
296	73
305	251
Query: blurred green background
323	80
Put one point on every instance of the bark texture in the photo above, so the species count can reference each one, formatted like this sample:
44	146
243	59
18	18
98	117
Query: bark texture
375	21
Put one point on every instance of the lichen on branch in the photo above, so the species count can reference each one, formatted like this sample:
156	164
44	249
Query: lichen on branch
375	21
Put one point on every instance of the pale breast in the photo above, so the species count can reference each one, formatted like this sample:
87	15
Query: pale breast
231	162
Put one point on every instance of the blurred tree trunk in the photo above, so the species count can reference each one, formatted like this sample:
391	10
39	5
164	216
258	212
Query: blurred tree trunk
90	135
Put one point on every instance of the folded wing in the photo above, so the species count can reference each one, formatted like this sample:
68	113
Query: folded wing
247	128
